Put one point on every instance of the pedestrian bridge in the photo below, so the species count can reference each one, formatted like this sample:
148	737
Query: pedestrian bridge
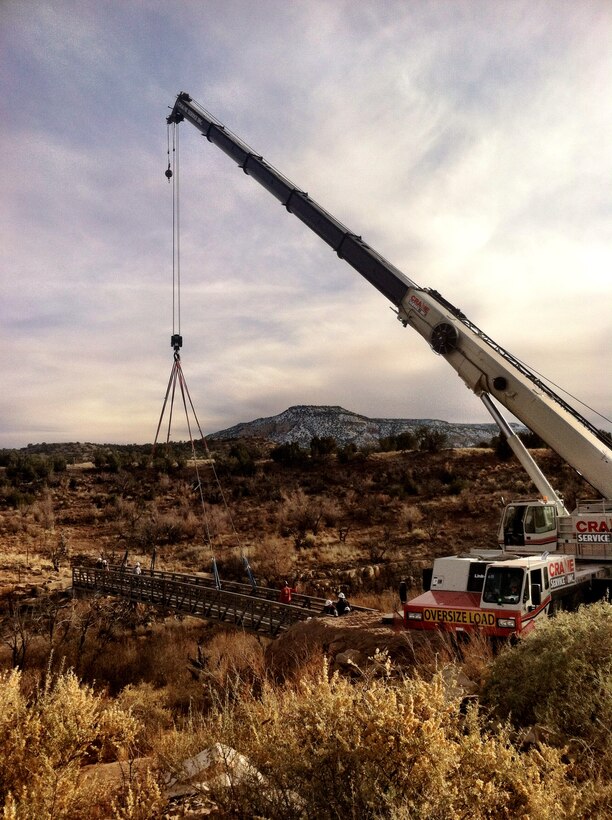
255	609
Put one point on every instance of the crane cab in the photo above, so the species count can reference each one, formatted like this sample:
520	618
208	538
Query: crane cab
531	525
534	527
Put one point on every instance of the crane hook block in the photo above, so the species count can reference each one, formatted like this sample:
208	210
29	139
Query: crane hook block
176	342
168	173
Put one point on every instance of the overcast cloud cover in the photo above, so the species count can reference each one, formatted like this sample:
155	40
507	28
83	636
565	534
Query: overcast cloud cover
469	142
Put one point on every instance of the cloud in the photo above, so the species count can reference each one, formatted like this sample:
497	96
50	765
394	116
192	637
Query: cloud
466	142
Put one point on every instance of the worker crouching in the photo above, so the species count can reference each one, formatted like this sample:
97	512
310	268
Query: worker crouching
342	605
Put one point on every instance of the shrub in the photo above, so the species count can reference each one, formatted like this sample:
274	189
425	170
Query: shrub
233	659
308	541
273	560
501	447
45	739
561	676
148	705
139	799
289	454
29	468
402	441
431	441
240	461
409	518
322	446
375	748
350	453
299	514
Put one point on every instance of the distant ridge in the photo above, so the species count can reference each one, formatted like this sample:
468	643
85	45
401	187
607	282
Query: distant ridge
301	423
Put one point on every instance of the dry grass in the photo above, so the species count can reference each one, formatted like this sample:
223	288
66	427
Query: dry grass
328	516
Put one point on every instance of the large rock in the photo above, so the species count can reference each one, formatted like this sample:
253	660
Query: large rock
349	642
220	765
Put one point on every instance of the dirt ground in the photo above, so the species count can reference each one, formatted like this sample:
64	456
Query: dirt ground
325	525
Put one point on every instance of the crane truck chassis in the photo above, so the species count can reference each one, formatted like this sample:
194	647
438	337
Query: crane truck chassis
500	594
545	550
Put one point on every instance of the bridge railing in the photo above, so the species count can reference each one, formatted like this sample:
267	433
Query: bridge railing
234	603
311	602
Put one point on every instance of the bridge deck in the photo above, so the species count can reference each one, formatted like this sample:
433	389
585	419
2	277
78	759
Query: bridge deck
255	610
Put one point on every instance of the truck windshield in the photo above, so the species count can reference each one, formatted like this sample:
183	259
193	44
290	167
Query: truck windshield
503	585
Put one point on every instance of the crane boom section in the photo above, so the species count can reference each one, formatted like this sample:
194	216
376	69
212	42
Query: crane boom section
388	279
487	370
484	366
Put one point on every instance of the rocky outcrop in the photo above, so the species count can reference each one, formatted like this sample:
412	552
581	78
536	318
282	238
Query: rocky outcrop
302	422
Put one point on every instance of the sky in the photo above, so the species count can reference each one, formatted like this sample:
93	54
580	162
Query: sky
467	141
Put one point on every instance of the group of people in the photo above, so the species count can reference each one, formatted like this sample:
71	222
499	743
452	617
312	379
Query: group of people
340	607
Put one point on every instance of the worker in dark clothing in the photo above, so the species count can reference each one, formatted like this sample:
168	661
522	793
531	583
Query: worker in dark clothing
330	609
342	605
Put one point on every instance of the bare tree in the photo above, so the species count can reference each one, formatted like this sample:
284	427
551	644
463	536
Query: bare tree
16	631
58	551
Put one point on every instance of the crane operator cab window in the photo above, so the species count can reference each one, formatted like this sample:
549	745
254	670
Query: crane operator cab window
540	519
503	585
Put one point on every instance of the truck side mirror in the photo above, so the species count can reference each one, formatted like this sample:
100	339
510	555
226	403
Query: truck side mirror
536	594
426	578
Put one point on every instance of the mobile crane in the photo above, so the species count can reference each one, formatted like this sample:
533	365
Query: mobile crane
539	527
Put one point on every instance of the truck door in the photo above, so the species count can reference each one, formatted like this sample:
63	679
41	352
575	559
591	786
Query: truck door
535	589
513	526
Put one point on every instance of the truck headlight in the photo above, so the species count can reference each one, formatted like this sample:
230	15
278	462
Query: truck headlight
414	616
506	623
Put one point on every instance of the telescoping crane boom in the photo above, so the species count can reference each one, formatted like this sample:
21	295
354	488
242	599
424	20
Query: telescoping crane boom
485	367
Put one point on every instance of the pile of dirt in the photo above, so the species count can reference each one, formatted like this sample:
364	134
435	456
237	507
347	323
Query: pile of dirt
350	643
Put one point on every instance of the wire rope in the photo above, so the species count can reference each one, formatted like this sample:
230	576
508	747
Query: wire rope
177	375
567	393
177	231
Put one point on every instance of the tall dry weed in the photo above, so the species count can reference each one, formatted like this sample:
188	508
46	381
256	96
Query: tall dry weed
45	740
148	705
139	799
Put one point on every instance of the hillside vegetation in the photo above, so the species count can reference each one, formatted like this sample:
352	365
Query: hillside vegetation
412	730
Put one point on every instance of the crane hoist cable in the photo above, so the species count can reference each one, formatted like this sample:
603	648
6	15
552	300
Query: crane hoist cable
177	376
174	178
